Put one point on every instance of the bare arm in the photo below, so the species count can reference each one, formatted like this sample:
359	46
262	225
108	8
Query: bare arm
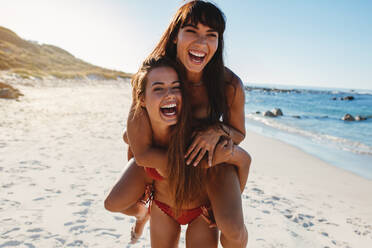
236	101
234	128
227	152
139	134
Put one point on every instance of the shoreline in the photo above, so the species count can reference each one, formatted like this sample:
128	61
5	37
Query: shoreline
69	137
328	153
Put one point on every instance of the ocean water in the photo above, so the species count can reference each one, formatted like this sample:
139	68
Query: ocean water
312	121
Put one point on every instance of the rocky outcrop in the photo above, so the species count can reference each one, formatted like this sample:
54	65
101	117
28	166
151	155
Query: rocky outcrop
8	92
268	113
347	98
348	117
277	112
360	118
273	113
274	90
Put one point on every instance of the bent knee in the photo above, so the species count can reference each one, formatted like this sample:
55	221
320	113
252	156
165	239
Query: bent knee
249	159
233	228
113	204
110	205
125	137
234	231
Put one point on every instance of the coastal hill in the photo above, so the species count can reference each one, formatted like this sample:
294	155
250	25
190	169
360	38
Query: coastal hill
31	59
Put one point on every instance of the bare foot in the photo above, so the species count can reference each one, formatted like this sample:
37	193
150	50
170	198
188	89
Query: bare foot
141	220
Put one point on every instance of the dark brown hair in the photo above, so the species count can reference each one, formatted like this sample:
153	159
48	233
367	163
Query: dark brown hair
208	14
186	182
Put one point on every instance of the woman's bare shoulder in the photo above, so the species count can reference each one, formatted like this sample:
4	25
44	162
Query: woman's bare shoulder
234	83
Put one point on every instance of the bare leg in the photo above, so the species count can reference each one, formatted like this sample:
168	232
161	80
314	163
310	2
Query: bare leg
198	234
164	230
225	196
125	194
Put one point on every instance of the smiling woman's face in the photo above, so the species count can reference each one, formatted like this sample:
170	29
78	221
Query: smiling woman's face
196	46
163	97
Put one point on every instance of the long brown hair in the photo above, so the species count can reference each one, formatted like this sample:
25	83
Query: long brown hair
186	182
208	14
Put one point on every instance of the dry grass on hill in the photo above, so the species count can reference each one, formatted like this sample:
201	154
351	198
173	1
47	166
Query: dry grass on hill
30	59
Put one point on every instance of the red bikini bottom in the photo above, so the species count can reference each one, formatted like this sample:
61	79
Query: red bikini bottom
186	216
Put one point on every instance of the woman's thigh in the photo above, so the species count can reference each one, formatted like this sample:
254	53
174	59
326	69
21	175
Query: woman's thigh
224	193
198	234
128	189
164	230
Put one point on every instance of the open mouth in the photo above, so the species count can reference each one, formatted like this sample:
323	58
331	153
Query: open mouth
169	110
197	57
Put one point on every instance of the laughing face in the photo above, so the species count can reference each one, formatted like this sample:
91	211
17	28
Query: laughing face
196	46
163	97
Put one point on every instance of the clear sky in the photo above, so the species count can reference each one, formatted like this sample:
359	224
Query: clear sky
326	43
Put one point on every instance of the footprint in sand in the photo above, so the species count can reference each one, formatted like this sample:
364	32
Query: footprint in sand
258	191
361	227
76	243
33	165
302	219
12	230
109	234
34	236
119	218
29	245
62	241
276	198
86	203
341	244
294	234
83	213
6	186
39	199
10	243
77	229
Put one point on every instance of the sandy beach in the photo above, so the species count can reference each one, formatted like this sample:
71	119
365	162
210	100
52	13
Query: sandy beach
61	151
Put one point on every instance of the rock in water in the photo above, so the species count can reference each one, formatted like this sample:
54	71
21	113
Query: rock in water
268	113
348	117
277	112
347	98
360	118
